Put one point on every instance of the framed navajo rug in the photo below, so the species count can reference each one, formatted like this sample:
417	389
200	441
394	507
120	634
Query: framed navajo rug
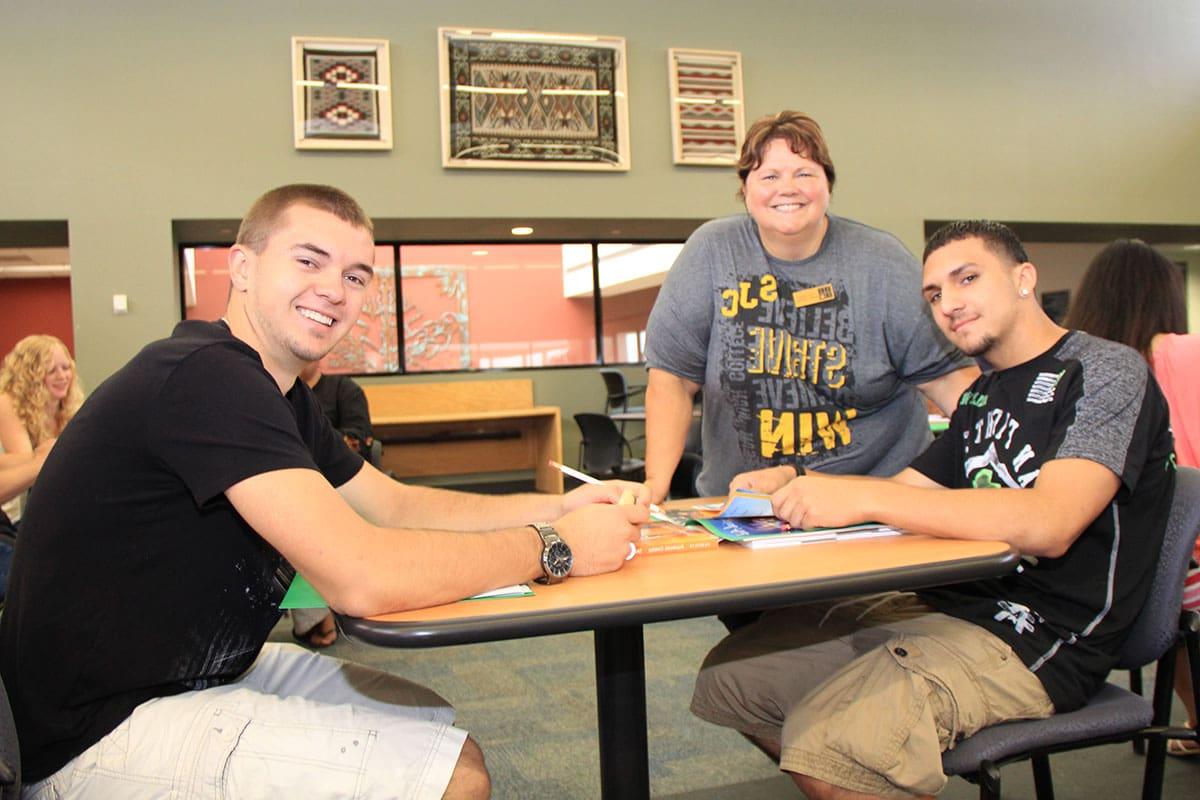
707	117
525	100
340	94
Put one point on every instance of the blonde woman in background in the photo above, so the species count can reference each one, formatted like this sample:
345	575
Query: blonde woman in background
39	393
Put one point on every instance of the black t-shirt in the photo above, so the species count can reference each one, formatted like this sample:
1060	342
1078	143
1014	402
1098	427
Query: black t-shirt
345	404
1086	398
134	577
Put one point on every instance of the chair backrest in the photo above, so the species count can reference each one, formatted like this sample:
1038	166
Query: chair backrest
374	454
10	753
1158	623
603	444
694	440
8	544
683	480
618	392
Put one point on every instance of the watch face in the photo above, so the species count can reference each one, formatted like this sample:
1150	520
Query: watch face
558	559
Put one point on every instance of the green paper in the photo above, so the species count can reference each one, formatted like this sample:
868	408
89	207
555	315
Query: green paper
301	594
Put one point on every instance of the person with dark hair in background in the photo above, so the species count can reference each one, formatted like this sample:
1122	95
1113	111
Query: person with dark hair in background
1060	448
805	330
345	406
1133	294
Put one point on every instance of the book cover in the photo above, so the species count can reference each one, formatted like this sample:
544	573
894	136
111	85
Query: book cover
658	538
756	532
867	531
742	503
737	529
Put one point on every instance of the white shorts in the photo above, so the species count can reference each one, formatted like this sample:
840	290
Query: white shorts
295	724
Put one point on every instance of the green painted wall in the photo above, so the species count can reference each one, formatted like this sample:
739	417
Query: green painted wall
125	115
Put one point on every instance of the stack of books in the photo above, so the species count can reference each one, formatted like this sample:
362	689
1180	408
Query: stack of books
745	518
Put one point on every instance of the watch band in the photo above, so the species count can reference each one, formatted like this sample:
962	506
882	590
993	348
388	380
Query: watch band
556	558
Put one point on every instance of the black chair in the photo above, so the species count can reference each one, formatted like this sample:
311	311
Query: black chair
604	452
691	461
1114	714
683	480
8	544
374	454
10	753
619	393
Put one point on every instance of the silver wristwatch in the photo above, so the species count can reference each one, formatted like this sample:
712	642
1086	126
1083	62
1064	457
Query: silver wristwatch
556	554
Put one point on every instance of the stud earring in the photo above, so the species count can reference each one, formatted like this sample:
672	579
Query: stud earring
1024	293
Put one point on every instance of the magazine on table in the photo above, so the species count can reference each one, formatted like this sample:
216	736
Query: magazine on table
748	519
761	532
740	503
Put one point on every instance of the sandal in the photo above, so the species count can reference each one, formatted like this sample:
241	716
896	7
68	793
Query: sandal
1183	748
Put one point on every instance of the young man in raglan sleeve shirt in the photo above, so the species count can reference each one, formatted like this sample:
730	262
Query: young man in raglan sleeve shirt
1063	450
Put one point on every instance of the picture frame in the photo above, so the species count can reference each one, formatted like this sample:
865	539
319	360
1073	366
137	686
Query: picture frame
708	120
341	94
529	100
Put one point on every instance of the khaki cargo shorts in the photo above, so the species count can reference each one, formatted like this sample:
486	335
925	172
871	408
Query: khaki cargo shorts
865	694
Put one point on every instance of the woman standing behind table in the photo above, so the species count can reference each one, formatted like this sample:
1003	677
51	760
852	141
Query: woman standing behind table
39	394
1133	294
807	332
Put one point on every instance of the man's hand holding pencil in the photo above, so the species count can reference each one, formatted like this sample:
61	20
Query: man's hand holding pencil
634	497
595	490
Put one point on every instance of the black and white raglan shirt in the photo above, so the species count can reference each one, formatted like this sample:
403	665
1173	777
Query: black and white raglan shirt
1066	617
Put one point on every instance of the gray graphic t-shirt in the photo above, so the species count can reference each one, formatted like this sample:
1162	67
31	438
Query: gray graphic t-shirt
808	362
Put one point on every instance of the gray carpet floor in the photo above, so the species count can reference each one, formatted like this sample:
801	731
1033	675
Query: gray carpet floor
531	705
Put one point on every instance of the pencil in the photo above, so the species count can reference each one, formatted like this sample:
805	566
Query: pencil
655	511
574	473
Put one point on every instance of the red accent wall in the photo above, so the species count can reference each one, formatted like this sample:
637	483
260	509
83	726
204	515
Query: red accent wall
624	313
515	303
35	305
212	283
522	306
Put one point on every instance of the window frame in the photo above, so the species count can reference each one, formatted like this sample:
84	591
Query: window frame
397	233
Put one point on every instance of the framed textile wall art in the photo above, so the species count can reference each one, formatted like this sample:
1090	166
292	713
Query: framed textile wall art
524	100
340	94
708	122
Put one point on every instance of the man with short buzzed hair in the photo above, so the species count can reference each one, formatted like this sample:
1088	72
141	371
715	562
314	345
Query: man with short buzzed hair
158	546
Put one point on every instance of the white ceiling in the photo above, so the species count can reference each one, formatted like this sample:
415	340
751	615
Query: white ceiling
35	262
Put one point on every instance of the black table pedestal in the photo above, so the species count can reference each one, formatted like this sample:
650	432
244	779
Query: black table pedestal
621	713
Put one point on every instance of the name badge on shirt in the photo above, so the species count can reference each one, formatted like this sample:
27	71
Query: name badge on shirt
810	297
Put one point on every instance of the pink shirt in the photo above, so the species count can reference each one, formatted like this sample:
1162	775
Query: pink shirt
1175	359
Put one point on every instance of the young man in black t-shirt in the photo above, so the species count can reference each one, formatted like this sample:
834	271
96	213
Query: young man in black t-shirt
1069	437
153	556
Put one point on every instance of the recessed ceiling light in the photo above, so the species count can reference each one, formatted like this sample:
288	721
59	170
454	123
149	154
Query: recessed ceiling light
522	230
479	252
